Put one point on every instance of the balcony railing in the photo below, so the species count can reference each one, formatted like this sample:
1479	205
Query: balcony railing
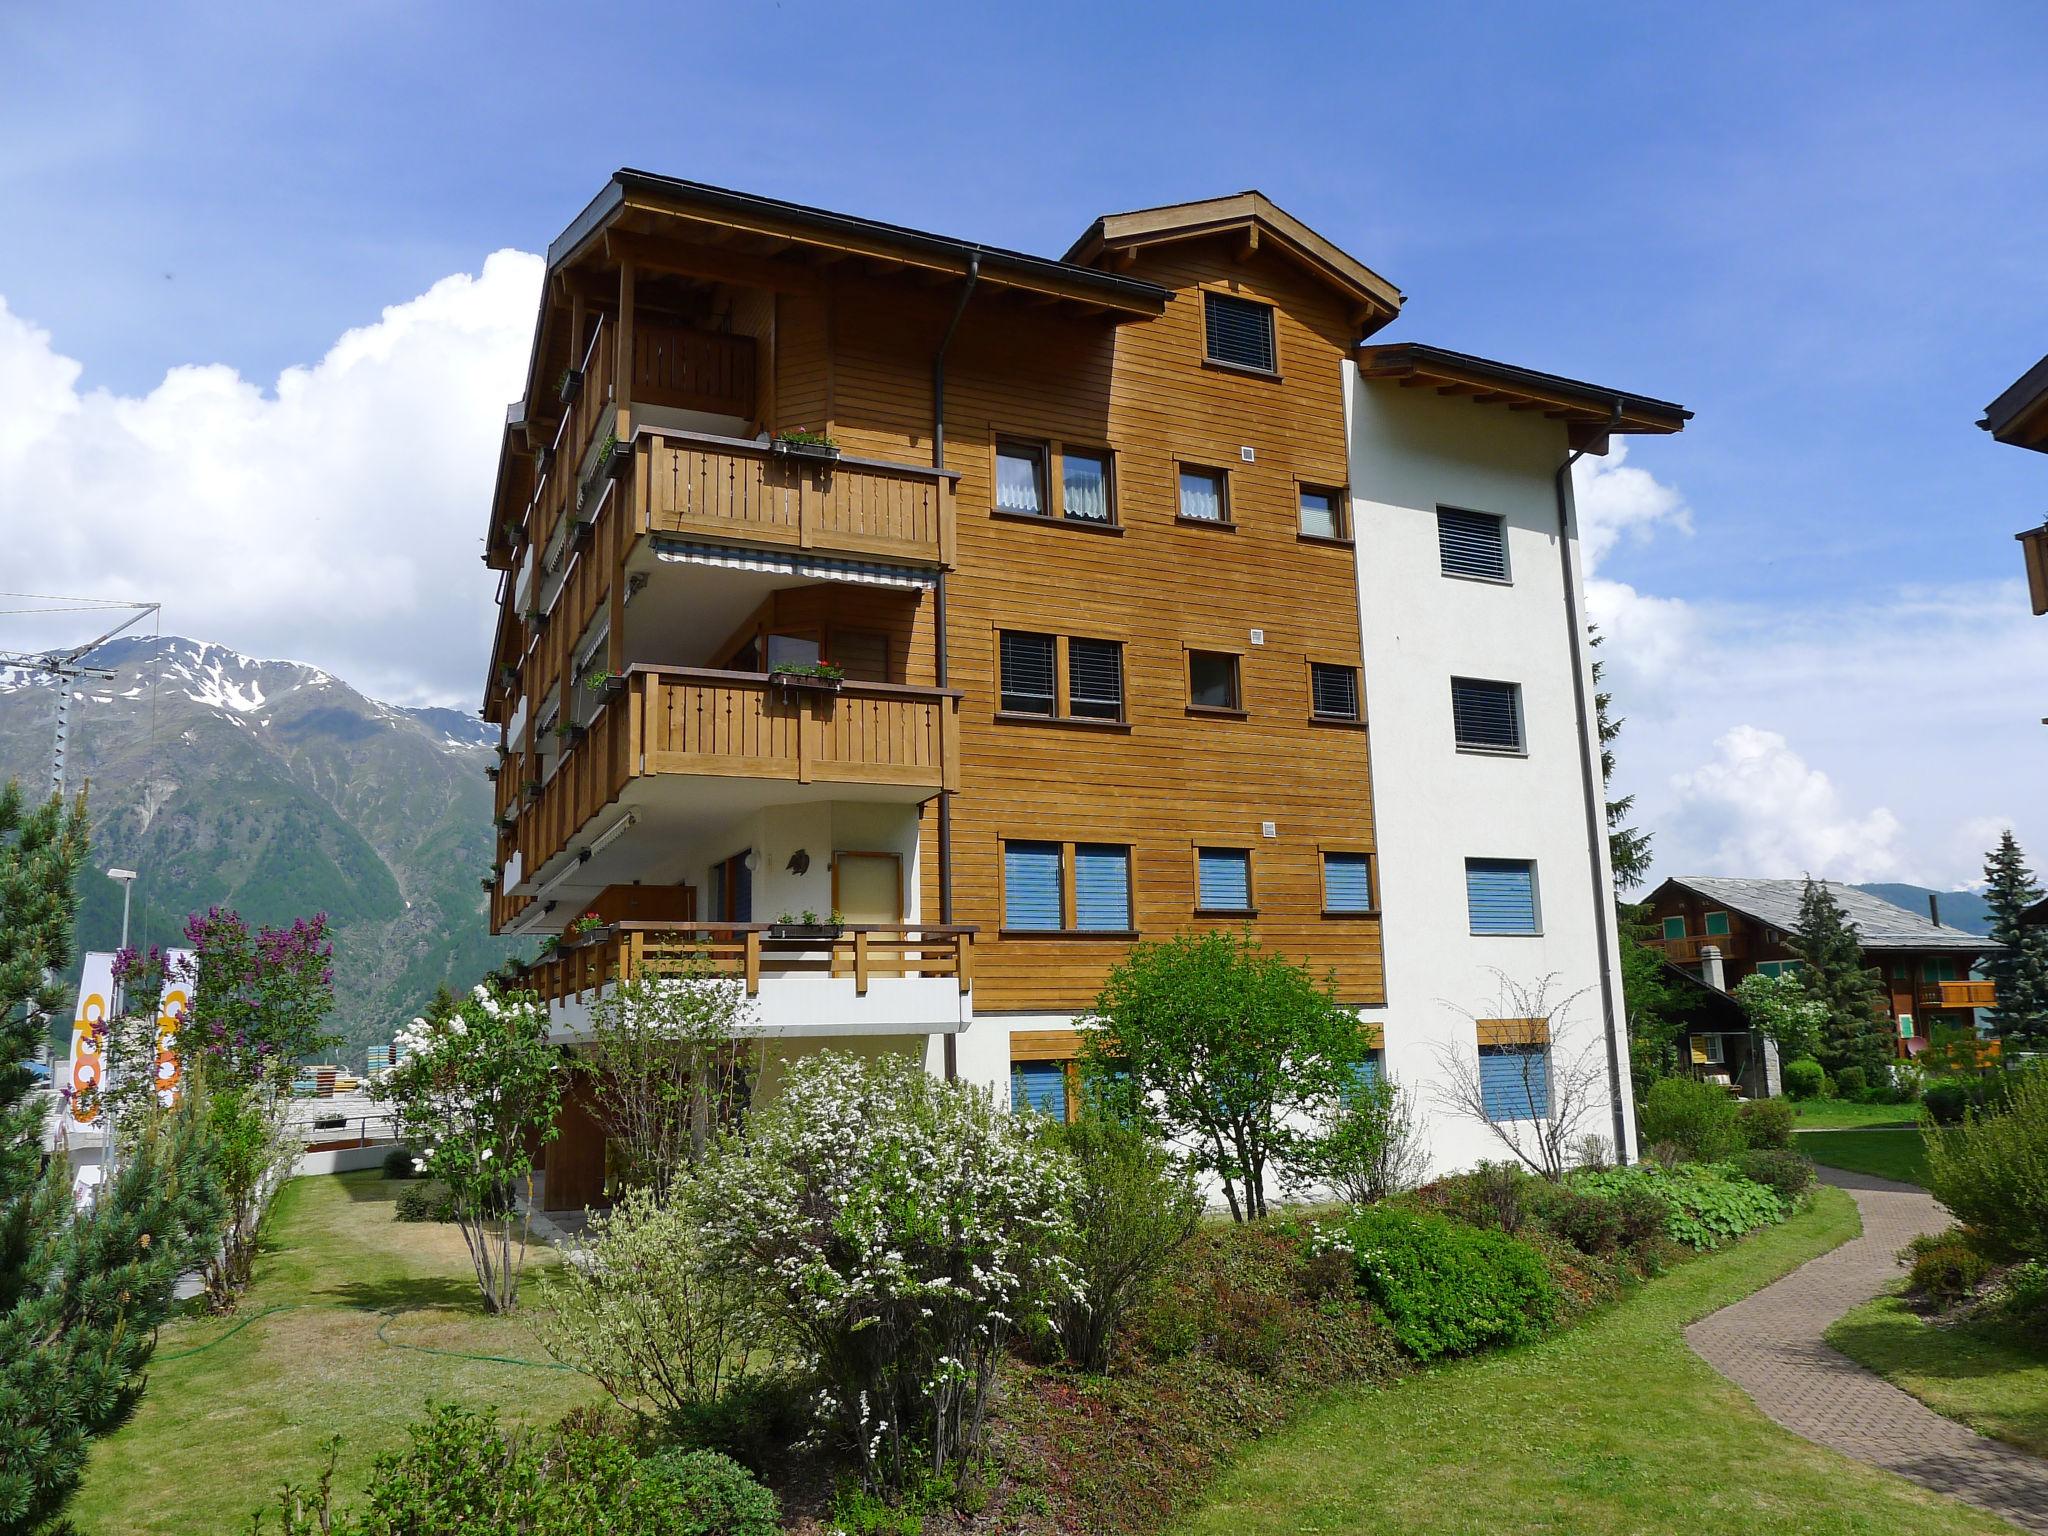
750	952
1959	994
1686	951
728	488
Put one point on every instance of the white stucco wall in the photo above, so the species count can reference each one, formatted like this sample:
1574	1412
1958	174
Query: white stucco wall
1412	451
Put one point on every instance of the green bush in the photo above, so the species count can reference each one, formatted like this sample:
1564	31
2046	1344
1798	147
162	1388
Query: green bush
1786	1173
1767	1123
426	1200
1698	1118
1948	1099
701	1493
1945	1268
1706	1204
398	1164
1992	1170
1491	1195
1851	1083
2023	1294
1447	1288
1804	1078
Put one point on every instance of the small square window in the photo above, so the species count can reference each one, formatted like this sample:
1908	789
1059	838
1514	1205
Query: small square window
1333	691
1514	1082
1204	495
1031	886
1322	513
1472	544
1347	882
1085	494
1020	478
1095	679
1223	879
1486	716
1674	928
1027	662
1212	680
1238	331
1501	896
1717	925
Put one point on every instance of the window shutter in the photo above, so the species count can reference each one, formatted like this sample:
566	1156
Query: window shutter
1225	883
1333	691
1095	678
1486	715
1239	331
1031	885
1347	882
1674	927
1039	1087
1472	544
1102	886
1514	1081
1501	894
1717	925
1027	673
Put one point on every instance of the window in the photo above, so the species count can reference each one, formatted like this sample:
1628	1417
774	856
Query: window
1085	486
1332	691
1501	895
1212	680
1514	1082
1223	880
1322	514
1717	925
1102	887
1472	544
1372	1071
1204	495
731	890
1239	332
1779	967
1486	717
1095	679
1039	1087
1938	970
1020	478
1674	927
1031	886
1027	673
1347	882
1716	1050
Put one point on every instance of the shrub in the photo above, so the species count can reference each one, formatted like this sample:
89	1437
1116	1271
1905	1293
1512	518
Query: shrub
1852	1083
701	1493
1491	1195
1945	1099
398	1164
1786	1173
1992	1170
1706	1204
1132	1205
2023	1294
425	1200
1767	1123
1698	1118
1368	1146
1804	1078
1945	1268
1447	1288
1627	1222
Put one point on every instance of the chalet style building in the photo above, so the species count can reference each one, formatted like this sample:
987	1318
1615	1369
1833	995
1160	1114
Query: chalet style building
909	626
1723	930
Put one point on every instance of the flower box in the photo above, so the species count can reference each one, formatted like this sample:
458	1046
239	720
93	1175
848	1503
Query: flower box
805	930
791	448
571	386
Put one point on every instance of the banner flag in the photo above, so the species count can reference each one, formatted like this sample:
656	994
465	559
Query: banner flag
90	1074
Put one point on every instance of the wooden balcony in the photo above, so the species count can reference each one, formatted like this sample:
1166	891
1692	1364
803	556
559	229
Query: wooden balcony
1686	951
1959	994
673	365
750	952
733	490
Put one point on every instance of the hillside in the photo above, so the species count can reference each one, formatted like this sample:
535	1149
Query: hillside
275	788
1966	910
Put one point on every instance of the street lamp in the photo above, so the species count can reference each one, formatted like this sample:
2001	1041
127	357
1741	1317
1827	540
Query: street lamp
127	879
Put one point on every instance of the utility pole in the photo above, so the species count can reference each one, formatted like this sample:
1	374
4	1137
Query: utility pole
68	665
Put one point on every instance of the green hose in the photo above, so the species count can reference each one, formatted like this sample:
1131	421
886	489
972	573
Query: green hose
389	1314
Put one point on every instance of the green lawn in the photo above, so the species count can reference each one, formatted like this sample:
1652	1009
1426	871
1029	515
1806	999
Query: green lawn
1614	1428
1840	1114
1978	1372
1890	1154
372	1318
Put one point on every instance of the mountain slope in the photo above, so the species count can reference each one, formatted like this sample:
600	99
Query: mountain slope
277	789
1966	910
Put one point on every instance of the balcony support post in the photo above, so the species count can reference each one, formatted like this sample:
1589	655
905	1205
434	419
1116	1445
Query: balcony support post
753	962
622	358
860	962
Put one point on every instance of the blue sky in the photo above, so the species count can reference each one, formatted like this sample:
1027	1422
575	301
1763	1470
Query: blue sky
1819	227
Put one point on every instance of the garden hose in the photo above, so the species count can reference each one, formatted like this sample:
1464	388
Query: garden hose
389	1314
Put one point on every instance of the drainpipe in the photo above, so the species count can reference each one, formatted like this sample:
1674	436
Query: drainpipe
939	618
1603	894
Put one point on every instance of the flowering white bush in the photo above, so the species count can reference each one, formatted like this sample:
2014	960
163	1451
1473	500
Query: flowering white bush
475	1093
902	1228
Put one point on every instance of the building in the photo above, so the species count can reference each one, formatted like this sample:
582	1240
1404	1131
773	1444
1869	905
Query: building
910	625
1723	930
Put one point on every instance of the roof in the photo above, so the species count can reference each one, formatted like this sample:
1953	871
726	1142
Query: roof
2020	415
1880	925
1254	218
1592	412
2037	914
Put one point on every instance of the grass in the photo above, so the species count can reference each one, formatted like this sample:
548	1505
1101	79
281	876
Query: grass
237	1406
1899	1154
1979	1372
1613	1427
1842	1114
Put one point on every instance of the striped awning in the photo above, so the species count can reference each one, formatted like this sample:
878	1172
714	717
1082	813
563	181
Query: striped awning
808	567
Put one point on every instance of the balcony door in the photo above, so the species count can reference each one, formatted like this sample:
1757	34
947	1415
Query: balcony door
867	887
731	890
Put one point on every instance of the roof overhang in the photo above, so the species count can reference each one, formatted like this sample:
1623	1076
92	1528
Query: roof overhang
2020	415
1256	223
2034	550
1591	412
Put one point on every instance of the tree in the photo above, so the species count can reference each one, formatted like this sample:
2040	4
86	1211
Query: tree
1628	849
2021	972
475	1097
1853	1032
1781	1009
1564	1089
1368	1147
1228	1047
1651	1001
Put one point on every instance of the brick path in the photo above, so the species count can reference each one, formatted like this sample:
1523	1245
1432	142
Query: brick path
1769	1344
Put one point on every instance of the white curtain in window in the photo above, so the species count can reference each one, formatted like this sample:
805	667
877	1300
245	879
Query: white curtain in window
1017	487
1087	489
1201	496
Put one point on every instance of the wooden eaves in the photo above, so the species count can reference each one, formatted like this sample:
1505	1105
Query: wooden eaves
1590	412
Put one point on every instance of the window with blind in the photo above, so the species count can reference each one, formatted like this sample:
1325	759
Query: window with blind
1212	680
1223	879
1501	895
1204	495
1322	515
1514	1082
1486	716
1371	1071
1238	331
1472	544
1102	887
1347	882
1020	478
1085	486
1027	662
1332	691
1095	679
1031	886
1039	1087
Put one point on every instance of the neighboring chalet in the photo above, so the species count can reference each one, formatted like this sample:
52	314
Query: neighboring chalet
1722	930
909	625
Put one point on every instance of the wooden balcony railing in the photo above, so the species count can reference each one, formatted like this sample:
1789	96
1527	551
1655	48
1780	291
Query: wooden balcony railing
1959	994
750	952
1686	951
728	488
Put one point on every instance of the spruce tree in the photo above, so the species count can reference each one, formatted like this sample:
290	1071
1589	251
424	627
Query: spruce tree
1854	1032
2021	972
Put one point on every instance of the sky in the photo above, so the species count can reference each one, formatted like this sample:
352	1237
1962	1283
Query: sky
268	278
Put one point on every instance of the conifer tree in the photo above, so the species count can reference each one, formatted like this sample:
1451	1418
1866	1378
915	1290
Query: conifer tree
2021	972
1854	1032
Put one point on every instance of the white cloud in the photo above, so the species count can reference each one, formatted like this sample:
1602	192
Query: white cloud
1615	499
1760	809
336	518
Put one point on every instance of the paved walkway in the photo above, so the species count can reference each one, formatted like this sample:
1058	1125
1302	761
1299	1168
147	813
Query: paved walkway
1769	1344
